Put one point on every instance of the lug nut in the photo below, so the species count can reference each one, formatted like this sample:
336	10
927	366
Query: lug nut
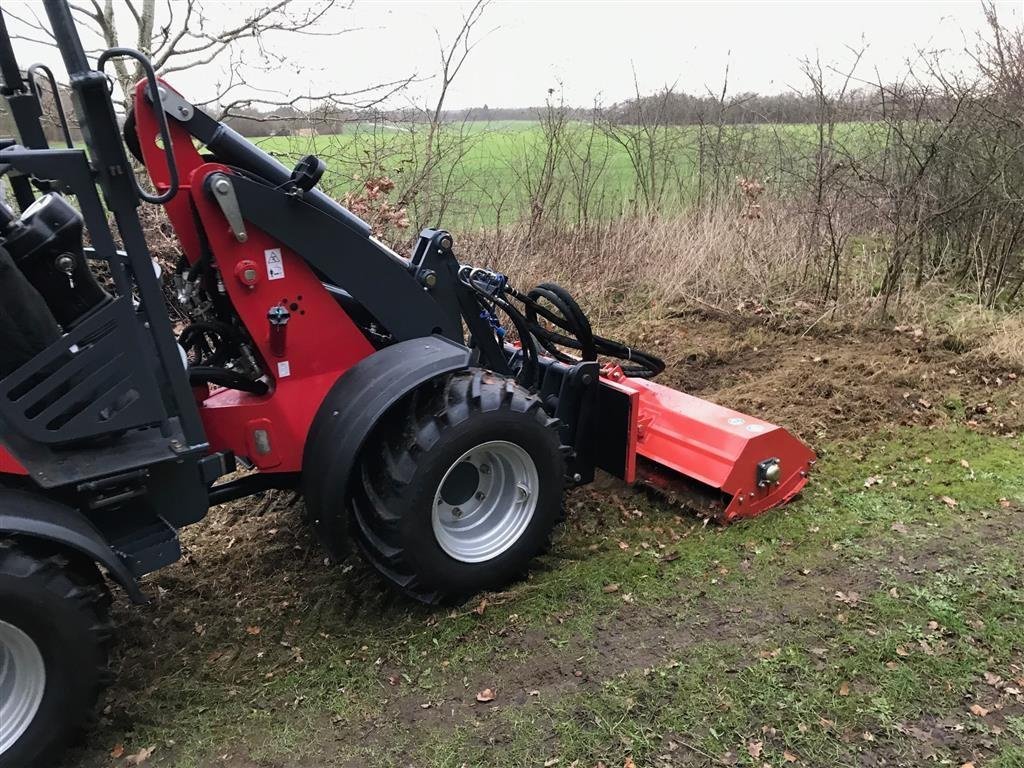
456	513
480	495
485	469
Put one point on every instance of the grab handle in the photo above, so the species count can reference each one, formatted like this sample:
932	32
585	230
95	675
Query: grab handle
34	86
165	131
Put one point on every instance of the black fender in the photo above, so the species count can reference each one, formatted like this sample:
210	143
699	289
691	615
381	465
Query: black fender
350	411
33	516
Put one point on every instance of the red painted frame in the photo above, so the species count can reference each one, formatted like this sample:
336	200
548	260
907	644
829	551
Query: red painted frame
322	342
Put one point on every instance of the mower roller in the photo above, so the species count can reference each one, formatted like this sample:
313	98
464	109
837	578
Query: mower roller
426	409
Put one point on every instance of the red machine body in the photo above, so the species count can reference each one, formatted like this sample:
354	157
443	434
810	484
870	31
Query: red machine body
10	465
304	357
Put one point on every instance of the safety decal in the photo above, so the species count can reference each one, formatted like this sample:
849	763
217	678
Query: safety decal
275	263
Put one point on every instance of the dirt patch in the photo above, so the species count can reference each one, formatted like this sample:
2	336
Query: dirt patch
833	384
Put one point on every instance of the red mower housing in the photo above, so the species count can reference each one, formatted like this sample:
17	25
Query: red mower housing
724	463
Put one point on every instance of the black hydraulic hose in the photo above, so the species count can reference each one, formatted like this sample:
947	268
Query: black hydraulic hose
230	339
569	318
207	374
530	372
578	332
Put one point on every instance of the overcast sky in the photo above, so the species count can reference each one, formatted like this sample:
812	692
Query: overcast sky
591	49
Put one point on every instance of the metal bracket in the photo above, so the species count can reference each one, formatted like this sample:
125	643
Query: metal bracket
224	194
175	105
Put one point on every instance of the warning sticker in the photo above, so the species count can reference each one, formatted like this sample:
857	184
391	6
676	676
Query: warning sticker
275	263
284	369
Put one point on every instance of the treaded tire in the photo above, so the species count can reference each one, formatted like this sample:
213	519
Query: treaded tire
62	606
405	460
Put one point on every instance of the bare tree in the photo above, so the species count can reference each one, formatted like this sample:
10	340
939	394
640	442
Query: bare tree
429	190
181	34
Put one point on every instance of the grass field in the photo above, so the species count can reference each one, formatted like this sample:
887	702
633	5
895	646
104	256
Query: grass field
490	174
878	620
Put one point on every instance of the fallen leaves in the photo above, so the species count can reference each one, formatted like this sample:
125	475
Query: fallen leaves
849	598
844	688
486	695
899	527
949	501
117	751
141	756
253	631
755	748
978	710
609	588
874	480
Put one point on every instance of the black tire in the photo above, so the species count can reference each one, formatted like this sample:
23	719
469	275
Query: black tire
402	467
62	607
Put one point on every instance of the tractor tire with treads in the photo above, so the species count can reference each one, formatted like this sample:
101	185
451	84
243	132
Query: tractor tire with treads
54	641
459	488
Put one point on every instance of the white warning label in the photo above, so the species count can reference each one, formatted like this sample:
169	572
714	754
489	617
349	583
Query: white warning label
284	369
275	263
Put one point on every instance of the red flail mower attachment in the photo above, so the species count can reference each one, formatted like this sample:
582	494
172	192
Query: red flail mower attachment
723	463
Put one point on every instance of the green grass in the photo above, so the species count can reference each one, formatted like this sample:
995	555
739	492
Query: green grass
759	648
486	167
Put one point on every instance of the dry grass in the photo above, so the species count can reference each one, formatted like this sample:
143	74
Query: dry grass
655	264
1006	343
630	274
648	268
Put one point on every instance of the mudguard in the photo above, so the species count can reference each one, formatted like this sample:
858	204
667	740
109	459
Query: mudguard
350	411
33	516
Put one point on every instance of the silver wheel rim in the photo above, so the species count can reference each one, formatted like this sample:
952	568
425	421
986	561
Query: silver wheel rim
485	501
22	682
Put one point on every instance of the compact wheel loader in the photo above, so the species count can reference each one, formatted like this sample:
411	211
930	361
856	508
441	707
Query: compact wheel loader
426	409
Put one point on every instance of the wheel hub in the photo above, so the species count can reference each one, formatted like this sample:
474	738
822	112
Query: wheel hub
461	484
22	683
485	501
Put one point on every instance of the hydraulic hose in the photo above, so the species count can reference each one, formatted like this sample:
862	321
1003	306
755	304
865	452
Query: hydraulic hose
206	374
571	329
